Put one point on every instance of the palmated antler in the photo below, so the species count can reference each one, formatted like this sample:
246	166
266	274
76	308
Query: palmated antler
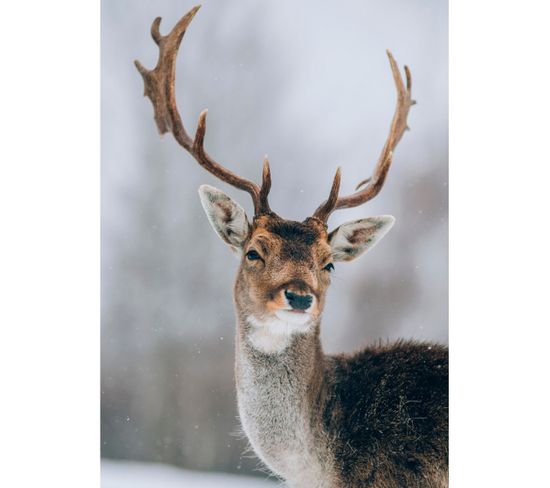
376	181
160	88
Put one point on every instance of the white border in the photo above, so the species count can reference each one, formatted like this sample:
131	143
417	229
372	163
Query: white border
49	204
499	183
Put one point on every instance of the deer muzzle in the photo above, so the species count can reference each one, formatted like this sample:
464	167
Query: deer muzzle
298	301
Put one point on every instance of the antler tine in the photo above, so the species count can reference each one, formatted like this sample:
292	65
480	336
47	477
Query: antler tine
160	89
266	186
398	127
326	208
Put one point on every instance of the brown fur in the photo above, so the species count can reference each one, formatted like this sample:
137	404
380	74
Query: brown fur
377	418
293	256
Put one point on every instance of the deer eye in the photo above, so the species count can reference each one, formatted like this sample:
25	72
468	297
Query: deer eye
252	255
329	267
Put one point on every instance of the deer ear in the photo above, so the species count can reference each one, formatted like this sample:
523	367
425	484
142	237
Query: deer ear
226	216
352	239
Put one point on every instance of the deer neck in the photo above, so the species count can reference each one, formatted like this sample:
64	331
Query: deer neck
273	344
282	389
279	388
279	348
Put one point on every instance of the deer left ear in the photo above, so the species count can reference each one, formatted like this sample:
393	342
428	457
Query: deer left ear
352	239
226	216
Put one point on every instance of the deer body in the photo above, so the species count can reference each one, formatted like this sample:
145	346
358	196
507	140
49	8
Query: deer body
315	425
377	418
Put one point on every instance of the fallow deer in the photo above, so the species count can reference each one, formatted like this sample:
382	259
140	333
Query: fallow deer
375	418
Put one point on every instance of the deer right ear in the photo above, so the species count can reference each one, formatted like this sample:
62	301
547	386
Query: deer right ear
226	216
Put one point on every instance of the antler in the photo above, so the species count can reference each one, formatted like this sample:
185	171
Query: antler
376	181
159	87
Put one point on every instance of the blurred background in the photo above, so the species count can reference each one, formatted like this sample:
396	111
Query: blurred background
309	84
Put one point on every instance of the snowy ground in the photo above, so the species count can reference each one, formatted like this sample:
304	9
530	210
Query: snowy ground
128	474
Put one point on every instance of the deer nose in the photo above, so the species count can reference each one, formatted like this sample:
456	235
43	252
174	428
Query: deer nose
298	302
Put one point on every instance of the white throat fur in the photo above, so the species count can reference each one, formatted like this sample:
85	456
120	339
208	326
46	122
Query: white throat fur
272	335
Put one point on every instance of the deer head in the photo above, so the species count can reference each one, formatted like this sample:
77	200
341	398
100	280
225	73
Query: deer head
285	265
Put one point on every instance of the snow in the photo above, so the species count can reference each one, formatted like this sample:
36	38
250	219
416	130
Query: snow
130	474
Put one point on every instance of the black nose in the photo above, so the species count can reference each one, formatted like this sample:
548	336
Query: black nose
299	302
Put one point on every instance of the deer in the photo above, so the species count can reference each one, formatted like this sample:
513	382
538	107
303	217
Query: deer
377	417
